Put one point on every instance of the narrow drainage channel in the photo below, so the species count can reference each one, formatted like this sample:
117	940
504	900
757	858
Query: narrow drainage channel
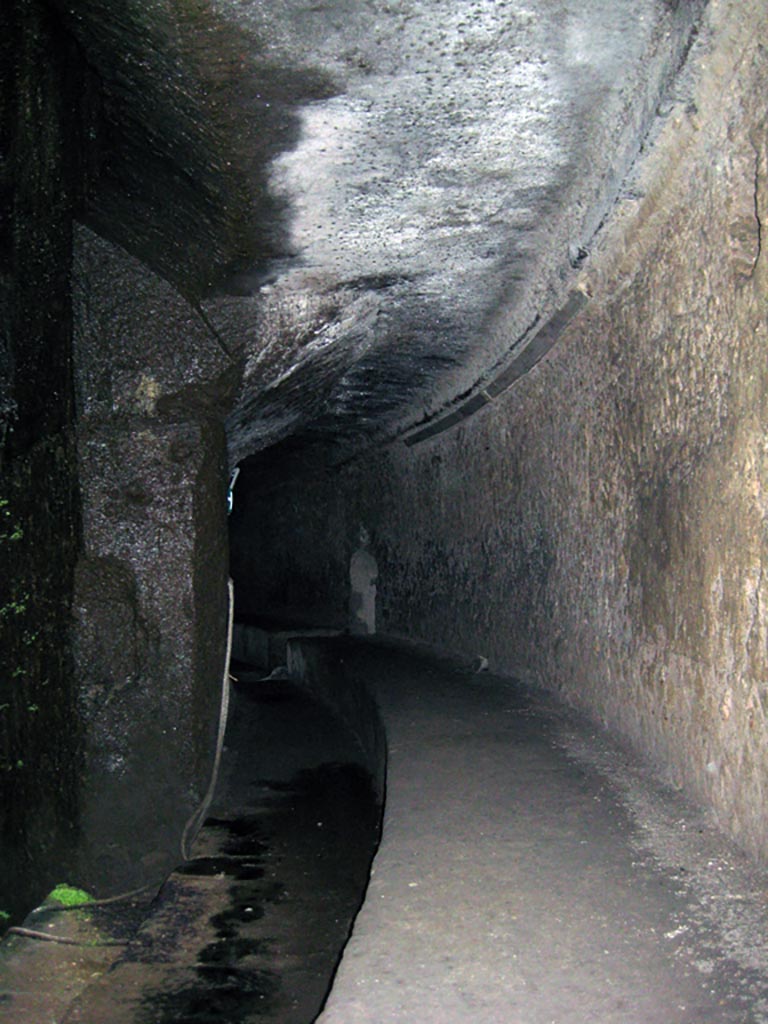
252	928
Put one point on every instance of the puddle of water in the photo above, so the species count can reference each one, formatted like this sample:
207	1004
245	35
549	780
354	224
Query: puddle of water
294	860
234	997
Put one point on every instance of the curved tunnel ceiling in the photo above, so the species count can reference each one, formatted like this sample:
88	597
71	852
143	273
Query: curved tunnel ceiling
371	202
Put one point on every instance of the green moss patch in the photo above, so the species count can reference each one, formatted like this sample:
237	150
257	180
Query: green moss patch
69	896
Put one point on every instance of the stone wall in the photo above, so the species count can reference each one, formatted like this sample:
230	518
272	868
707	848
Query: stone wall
150	597
601	527
112	506
48	102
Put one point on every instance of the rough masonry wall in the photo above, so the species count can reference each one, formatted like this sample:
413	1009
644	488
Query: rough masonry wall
117	522
47	106
150	601
602	528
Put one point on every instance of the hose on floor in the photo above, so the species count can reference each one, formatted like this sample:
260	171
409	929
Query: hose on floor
195	822
63	940
121	897
192	826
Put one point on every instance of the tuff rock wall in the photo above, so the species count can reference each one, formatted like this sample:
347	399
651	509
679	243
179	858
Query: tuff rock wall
602	527
113	477
150	599
48	104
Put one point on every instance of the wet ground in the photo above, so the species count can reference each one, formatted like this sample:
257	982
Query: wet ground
530	871
252	927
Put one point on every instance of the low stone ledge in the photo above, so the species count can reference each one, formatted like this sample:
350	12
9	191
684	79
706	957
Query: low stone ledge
265	646
318	664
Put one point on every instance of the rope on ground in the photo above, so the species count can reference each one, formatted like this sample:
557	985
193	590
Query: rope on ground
119	898
195	822
30	933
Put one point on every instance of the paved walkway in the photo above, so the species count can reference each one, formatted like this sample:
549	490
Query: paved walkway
529	872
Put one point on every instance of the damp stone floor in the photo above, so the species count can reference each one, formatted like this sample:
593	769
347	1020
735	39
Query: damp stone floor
530	870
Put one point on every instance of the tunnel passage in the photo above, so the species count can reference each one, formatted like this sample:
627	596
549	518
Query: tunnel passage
333	281
598	527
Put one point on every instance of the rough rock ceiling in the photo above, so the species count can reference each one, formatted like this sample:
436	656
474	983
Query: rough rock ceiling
371	202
